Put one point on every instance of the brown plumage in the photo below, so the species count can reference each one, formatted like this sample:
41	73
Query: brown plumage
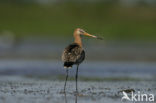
74	53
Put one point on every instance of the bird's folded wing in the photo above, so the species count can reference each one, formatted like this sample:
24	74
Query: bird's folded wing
72	53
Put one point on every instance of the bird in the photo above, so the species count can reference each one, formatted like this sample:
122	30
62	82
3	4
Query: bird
74	53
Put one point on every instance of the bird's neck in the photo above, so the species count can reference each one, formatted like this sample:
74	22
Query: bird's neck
78	39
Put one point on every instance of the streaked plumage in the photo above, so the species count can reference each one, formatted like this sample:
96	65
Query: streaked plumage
73	54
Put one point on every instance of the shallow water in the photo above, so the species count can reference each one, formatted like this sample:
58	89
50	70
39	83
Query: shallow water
86	69
16	89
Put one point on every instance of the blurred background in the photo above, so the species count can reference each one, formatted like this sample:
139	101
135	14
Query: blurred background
33	34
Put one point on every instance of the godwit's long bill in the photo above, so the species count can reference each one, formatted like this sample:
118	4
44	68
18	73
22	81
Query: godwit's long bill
74	53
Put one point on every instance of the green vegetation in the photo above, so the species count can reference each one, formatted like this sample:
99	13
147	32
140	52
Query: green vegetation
113	21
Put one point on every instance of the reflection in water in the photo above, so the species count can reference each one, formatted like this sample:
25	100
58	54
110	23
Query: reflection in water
65	97
75	98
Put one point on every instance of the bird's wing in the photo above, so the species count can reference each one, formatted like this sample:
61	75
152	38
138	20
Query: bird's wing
72	53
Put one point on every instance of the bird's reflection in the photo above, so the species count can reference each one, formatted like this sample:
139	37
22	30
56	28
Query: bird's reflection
65	97
75	98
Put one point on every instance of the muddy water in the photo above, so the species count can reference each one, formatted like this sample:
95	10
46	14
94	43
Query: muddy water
16	89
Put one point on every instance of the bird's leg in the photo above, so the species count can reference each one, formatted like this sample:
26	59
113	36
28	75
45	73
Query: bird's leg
66	79
76	77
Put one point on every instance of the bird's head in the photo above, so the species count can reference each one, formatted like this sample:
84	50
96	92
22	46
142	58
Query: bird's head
79	31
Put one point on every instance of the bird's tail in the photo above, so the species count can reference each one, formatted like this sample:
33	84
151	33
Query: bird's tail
68	64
